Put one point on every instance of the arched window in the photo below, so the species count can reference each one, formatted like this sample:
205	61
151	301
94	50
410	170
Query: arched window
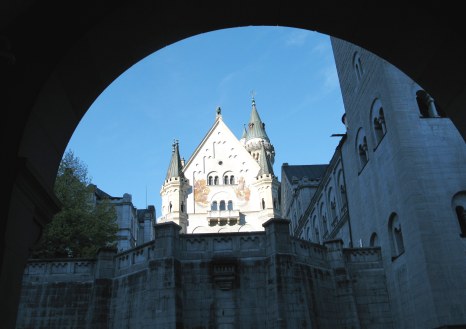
325	225
357	66
182	207
225	180
316	229
216	180
232	180
361	148
461	215
222	205
341	189
308	234
333	207
209	180
459	206
396	236
213	206
263	203
323	216
170	207
383	125
379	127
374	241
230	205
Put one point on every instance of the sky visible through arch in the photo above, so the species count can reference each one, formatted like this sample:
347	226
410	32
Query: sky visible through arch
126	137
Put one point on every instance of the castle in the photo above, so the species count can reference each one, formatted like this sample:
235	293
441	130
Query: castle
227	185
374	239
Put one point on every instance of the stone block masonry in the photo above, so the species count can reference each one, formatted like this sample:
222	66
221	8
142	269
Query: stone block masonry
236	280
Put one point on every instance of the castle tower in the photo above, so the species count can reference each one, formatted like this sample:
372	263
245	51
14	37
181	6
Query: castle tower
267	186
232	185
256	136
406	182
174	192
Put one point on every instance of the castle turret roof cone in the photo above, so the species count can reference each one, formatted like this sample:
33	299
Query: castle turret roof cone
256	128
175	168
264	162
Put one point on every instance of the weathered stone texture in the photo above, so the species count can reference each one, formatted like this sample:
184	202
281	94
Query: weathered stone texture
244	280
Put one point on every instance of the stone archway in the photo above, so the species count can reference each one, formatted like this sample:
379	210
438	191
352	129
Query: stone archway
56	58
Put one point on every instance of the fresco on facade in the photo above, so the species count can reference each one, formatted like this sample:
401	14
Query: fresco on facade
242	191
201	192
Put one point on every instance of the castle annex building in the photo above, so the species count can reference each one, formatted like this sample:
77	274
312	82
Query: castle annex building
227	185
376	238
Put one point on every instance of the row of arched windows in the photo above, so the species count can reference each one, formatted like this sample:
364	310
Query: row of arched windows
428	107
221	205
227	180
170	207
395	232
395	236
378	129
328	211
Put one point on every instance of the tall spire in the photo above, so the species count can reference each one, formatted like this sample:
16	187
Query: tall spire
256	126
264	163
174	170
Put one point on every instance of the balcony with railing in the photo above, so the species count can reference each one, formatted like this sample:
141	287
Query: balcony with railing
223	217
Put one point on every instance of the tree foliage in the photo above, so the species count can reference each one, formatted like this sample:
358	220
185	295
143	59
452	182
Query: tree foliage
84	224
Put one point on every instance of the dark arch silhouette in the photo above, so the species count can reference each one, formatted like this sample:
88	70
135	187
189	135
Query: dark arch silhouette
56	57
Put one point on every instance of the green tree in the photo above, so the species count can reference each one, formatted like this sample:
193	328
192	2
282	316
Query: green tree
84	223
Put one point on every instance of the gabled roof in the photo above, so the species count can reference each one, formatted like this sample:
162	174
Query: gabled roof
218	124
175	167
218	119
256	128
312	172
101	194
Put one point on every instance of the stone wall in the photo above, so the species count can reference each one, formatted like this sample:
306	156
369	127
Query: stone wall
248	280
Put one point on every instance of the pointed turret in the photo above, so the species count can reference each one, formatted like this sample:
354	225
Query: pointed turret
266	166
175	168
244	136
174	192
256	128
267	186
256	136
245	133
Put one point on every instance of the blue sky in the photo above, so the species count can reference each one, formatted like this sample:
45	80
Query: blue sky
126	137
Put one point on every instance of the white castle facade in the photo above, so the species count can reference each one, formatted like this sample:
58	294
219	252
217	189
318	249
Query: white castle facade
227	185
